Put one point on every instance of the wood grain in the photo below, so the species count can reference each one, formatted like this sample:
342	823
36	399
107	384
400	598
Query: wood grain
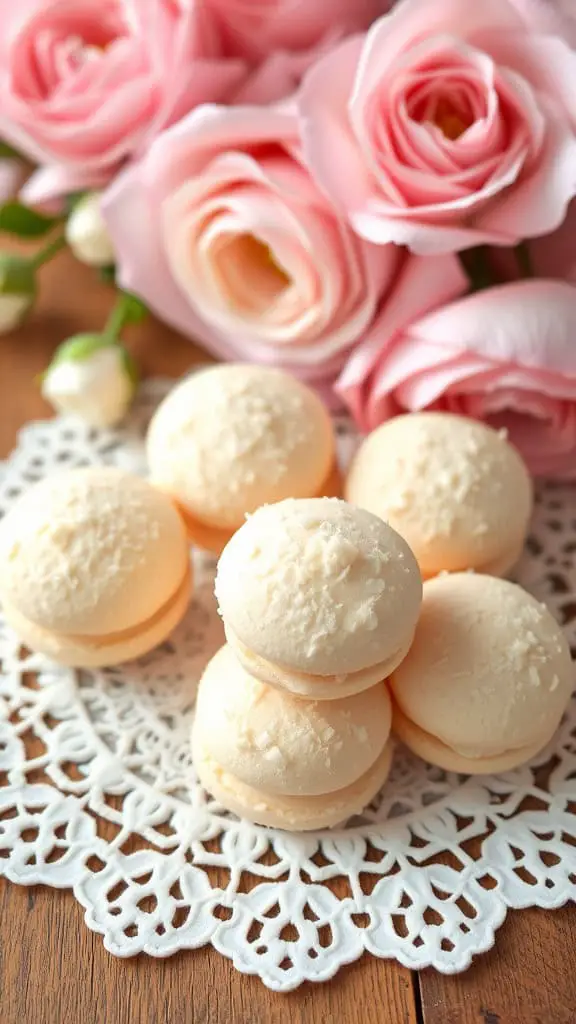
52	968
528	978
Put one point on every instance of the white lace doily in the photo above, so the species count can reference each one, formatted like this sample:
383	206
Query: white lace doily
98	793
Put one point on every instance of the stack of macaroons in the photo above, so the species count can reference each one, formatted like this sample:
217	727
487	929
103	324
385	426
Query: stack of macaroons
333	643
320	601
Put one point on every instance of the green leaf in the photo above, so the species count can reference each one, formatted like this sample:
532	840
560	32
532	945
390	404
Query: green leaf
18	220
17	275
133	309
7	152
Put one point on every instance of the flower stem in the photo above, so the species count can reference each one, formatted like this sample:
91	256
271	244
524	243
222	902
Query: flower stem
117	319
524	260
49	251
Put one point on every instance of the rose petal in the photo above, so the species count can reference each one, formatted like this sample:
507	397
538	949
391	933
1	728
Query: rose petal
530	323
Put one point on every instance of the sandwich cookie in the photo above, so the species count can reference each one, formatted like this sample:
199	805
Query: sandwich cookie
318	597
453	487
285	762
94	567
487	679
231	438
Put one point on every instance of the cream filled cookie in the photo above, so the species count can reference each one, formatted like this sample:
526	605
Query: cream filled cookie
231	438
318	597
454	488
487	678
286	762
94	567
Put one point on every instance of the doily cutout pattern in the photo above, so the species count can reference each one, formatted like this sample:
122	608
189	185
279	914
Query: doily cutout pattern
98	794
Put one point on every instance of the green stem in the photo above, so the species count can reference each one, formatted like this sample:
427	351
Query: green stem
49	251
117	319
524	260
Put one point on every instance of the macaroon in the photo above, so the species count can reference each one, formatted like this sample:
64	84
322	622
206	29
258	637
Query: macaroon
285	762
318	597
94	567
231	438
487	679
454	488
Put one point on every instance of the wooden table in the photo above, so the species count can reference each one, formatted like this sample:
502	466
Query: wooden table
53	970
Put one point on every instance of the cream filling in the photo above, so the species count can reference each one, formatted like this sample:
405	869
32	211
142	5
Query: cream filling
286	811
404	725
110	639
315	686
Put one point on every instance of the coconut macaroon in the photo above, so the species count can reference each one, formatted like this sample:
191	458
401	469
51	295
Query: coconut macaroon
318	597
454	488
231	438
487	679
283	761
94	567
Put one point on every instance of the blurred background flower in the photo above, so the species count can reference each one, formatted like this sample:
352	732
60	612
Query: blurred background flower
450	125
85	85
377	197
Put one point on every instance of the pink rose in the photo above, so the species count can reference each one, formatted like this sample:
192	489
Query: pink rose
283	38
84	84
224	234
552	17
452	123
505	355
256	28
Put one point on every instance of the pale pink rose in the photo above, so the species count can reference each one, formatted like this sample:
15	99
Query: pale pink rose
452	123
275	78
505	355
552	17
256	28
85	84
223	233
283	38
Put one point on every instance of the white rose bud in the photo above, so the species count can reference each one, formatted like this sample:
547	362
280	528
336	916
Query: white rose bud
87	234
17	290
13	309
92	379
